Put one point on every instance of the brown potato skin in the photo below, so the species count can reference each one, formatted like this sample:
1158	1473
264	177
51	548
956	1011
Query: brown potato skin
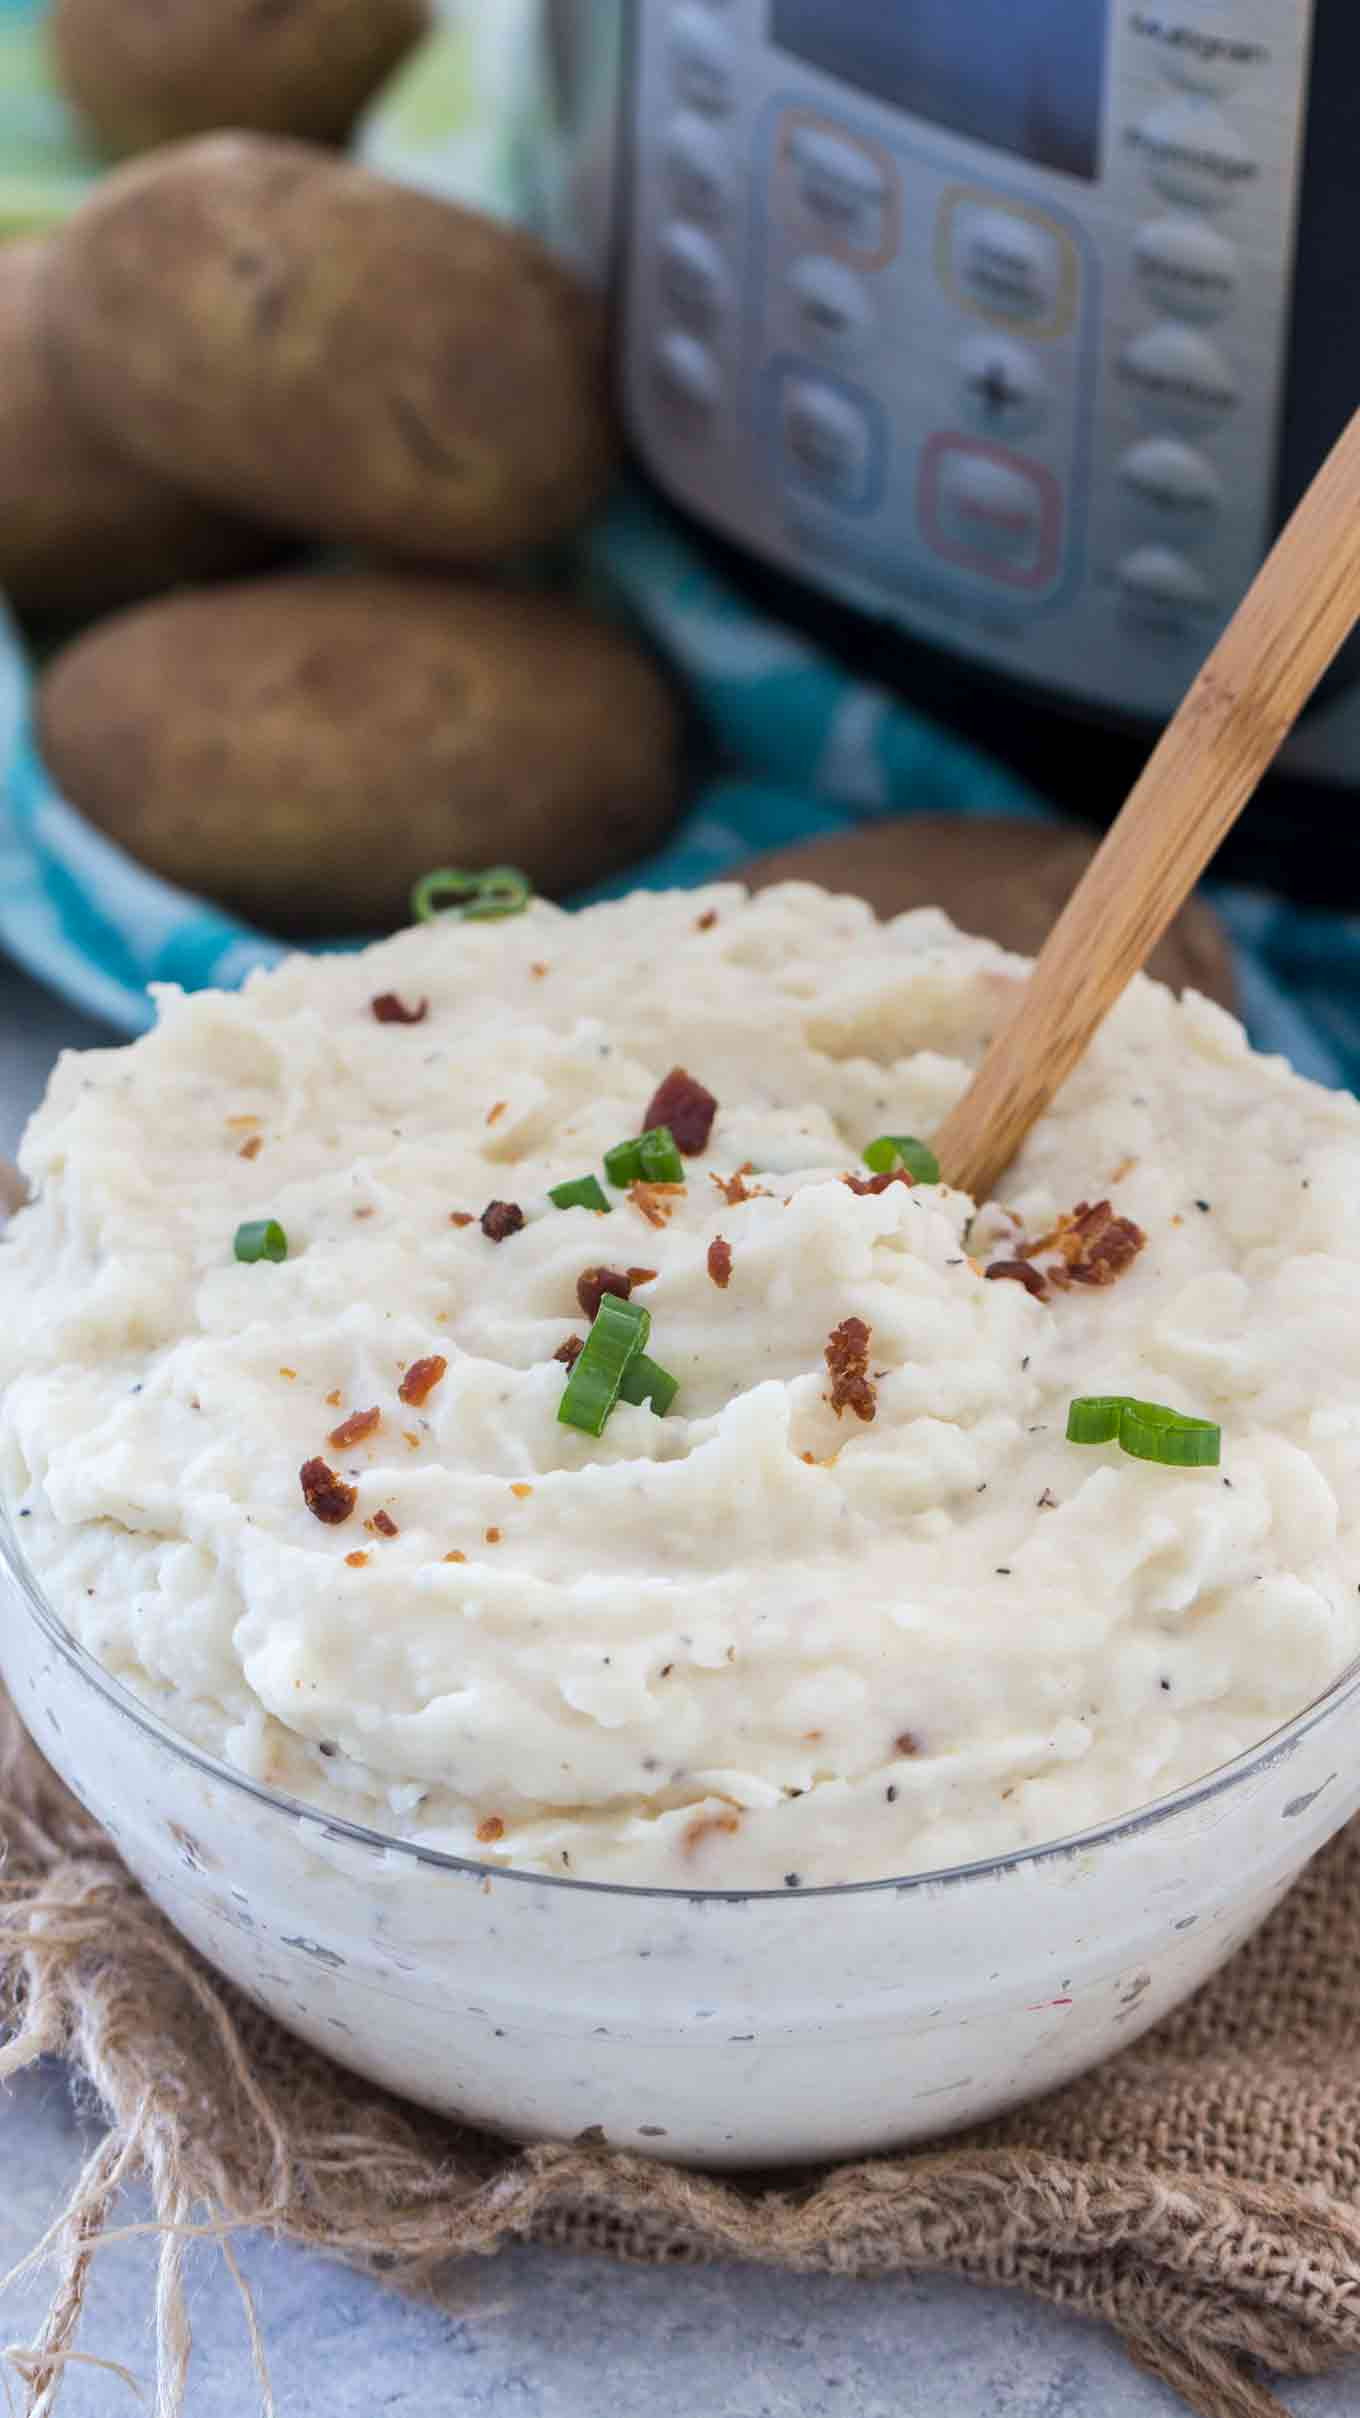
297	339
302	749
142	72
1007	879
82	528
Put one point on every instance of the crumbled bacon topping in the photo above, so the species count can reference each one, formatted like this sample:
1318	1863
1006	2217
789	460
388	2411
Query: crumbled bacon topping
490	1830
570	1351
326	1494
384	1523
847	1361
357	1559
496	1111
353	1430
461	1217
1095	1244
500	1218
906	1743
1032	1279
863	1184
686	1107
706	921
641	1276
593	1283
390	1009
735	1189
655	1201
720	1262
251	1147
422	1377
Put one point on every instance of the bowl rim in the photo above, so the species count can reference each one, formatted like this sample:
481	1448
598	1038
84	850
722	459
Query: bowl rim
1273	1748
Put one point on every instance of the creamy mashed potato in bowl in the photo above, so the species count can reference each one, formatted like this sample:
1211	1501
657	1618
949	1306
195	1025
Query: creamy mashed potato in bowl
592	1630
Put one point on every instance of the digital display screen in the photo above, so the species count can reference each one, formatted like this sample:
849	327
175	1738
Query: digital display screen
1026	76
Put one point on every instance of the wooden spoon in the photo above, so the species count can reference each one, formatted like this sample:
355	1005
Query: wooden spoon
1293	620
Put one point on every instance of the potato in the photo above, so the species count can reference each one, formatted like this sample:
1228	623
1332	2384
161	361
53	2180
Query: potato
81	526
303	748
1006	879
142	72
295	337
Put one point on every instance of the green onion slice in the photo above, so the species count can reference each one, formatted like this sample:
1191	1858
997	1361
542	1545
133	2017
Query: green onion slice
583	1192
1147	1431
651	1156
645	1380
260	1238
475	897
618	1333
903	1150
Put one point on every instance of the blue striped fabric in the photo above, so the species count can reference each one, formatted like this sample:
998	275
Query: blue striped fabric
813	751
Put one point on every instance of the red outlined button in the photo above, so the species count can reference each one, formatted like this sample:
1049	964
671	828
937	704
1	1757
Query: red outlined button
990	511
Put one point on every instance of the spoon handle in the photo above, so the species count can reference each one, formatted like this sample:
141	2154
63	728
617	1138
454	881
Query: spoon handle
1293	620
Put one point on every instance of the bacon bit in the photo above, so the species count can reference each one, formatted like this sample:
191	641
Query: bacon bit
1032	1279
243	1121
863	1184
325	1494
521	1493
357	1560
500	1218
905	1743
706	921
384	1523
704	1826
1125	1167
734	1189
1096	1245
421	1378
686	1107
493	1536
251	1147
389	1009
847	1361
640	1276
455	1556
288	1372
810	1458
496	1111
490	1830
570	1351
538	969
461	1217
1178	1220
593	1283
720	1262
652	1201
410	1436
333	1400
353	1430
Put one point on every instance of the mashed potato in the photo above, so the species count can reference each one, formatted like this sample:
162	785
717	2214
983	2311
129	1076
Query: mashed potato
852	1607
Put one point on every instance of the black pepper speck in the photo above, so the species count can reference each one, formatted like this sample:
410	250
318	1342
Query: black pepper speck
793	1880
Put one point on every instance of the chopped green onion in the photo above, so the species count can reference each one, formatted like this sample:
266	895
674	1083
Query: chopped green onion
645	1381
260	1238
475	897
651	1156
618	1333
661	1161
1147	1431
903	1150
583	1192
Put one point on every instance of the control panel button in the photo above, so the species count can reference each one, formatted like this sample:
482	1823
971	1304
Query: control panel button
1159	584
842	184
831	303
1193	153
698	169
826	439
1171	477
1186	267
1199	47
687	374
703	66
692	276
990	510
1008	264
1180	371
1001	386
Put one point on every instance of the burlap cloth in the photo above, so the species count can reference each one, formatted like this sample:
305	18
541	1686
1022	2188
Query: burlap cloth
1200	2192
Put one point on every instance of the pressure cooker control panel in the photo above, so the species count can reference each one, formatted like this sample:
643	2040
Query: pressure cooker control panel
975	316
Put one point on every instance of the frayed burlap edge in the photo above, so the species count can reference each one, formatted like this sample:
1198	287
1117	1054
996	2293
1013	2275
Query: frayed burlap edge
232	2123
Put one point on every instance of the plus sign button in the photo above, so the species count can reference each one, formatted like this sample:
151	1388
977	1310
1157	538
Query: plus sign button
1001	386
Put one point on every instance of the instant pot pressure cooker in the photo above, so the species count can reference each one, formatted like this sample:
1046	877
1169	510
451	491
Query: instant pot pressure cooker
991	338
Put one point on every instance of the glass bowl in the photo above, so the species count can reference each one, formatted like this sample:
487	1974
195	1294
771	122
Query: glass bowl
727	2027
